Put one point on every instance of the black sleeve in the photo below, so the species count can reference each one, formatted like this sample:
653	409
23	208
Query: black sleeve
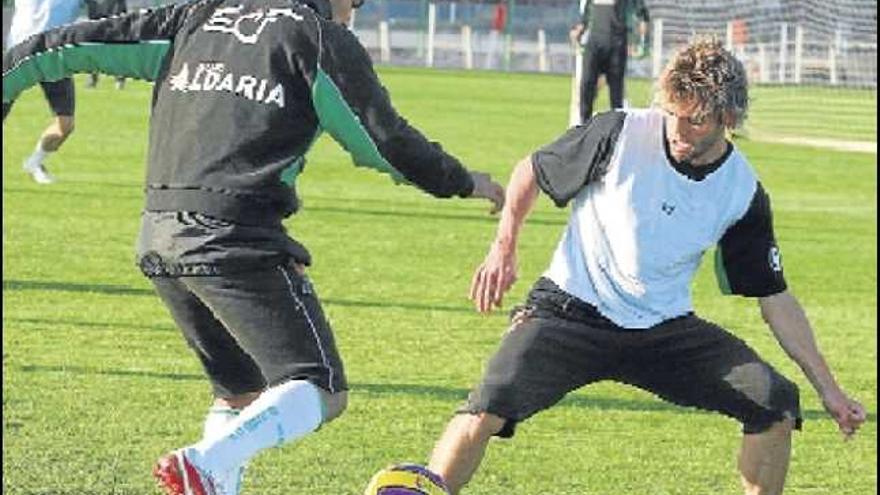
354	107
578	157
747	260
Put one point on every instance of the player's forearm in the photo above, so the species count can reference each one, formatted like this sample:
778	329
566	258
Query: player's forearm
522	190
792	329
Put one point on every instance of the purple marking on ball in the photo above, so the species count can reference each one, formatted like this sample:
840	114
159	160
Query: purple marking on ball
414	468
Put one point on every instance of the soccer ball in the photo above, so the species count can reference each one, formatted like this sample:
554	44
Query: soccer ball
406	479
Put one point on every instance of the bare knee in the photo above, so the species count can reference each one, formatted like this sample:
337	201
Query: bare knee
783	427
55	135
764	459
460	449
334	404
65	124
238	401
480	426
779	429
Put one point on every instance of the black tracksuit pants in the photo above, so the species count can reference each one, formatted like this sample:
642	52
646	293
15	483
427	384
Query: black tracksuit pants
602	56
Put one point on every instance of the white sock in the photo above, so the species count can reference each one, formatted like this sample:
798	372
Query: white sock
215	421
39	154
217	418
281	414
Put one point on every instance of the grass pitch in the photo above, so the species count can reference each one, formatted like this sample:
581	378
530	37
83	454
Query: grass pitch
97	382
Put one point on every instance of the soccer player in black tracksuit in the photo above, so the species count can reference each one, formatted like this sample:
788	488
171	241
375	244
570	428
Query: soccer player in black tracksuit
242	90
605	50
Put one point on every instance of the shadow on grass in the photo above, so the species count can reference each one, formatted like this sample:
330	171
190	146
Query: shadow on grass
464	308
42	191
89	324
16	285
307	208
132	185
451	394
84	370
574	401
423	215
23	285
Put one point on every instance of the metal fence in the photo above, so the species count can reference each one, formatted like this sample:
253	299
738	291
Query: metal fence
794	41
780	41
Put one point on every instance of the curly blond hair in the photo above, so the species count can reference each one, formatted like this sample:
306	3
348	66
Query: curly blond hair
706	73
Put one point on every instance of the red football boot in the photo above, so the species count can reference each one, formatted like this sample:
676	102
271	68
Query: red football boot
177	476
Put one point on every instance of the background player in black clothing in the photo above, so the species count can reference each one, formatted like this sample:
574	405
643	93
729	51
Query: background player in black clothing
603	30
98	9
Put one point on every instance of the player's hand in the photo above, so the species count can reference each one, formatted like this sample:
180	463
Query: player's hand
848	413
486	188
494	277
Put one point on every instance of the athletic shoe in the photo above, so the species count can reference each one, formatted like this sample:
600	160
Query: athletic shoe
178	476
37	171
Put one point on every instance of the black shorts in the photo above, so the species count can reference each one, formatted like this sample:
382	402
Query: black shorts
60	96
255	329
557	343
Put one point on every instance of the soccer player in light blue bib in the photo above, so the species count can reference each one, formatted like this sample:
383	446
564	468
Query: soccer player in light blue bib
651	191
33	17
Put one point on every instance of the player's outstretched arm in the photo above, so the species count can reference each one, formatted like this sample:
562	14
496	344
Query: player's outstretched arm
791	328
354	107
133	45
498	271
